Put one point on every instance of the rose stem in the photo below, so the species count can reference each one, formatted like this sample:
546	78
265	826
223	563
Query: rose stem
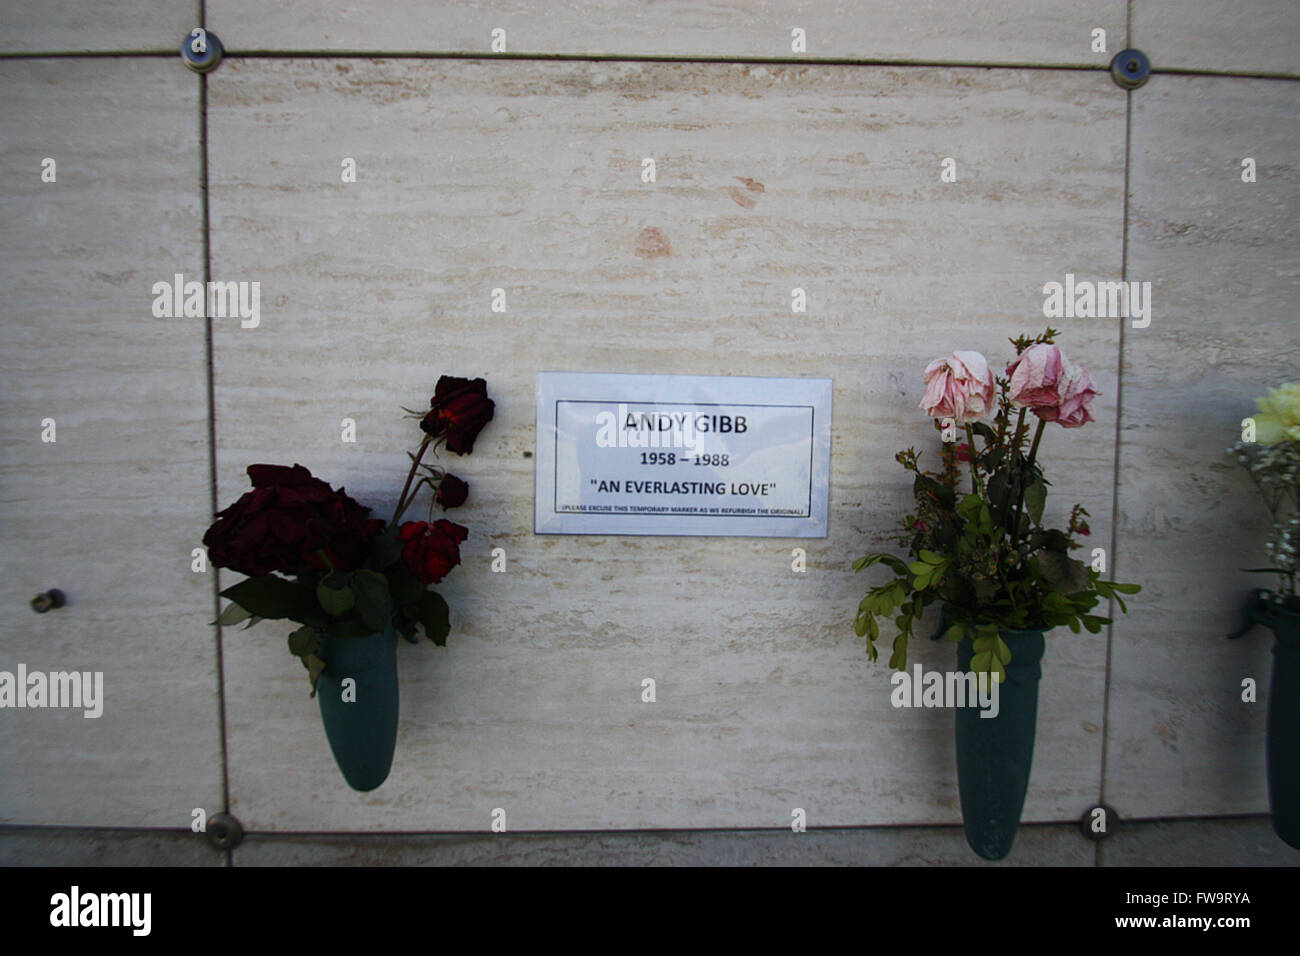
1029	464
402	503
1019	438
970	446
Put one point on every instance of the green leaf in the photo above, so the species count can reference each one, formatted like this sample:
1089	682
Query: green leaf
435	617
988	663
302	642
955	633
334	594
315	666
1003	652
1035	500
1094	622
926	488
373	601
1063	572
898	659
929	557
233	614
891	562
274	598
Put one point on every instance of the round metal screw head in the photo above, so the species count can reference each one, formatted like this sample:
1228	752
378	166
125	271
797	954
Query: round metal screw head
224	832
1130	68
201	50
48	600
1099	822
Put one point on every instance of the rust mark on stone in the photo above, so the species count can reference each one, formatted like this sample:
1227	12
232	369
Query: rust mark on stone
652	244
745	197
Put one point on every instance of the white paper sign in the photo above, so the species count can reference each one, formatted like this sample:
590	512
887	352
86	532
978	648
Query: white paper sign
682	454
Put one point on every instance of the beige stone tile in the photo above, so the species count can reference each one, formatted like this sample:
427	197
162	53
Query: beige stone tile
57	846
1008	31
1262	36
110	511
1221	255
73	26
1041	845
472	178
1246	841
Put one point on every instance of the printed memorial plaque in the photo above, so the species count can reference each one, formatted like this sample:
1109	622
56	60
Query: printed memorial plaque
682	455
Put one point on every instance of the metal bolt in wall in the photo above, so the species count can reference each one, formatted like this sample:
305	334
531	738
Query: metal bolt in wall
1099	822
1130	68
48	600
201	51
224	832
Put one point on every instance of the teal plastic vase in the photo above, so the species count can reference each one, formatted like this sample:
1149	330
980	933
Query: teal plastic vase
1283	758
994	754
360	721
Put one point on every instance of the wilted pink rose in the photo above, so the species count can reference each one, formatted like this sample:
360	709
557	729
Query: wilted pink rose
959	387
1035	375
1077	392
1051	386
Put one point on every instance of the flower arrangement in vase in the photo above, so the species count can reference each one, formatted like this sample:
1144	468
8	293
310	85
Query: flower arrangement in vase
1270	453
313	555
1001	576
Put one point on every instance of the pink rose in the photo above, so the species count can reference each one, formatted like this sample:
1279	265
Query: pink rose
1051	386
959	387
1034	375
1077	393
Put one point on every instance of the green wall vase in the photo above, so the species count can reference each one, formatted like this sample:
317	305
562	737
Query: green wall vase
994	754
362	732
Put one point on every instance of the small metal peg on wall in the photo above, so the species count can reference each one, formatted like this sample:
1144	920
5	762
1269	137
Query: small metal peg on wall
201	50
1130	68
224	832
48	600
1099	822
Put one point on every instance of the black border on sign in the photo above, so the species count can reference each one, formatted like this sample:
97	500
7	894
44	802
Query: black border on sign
555	456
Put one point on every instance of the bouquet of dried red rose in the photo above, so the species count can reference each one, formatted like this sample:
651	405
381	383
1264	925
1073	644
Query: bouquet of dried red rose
314	555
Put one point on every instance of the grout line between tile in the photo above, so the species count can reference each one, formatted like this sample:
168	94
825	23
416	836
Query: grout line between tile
212	422
11	829
1119	426
1099	855
485	57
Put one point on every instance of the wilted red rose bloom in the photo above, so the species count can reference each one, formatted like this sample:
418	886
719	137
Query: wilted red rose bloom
459	409
452	492
431	550
285	521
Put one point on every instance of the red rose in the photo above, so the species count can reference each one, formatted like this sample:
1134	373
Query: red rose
285	521
431	550
452	492
459	408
